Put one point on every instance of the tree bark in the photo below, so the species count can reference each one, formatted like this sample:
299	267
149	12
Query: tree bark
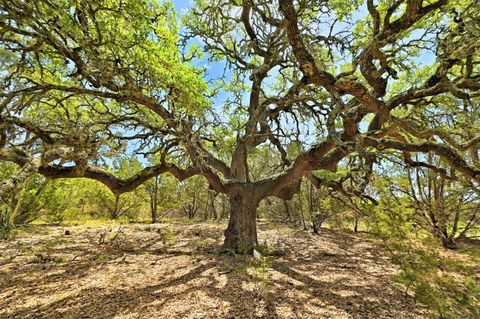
300	208
447	242
154	200
287	211
153	208
213	210
115	213
241	233
224	213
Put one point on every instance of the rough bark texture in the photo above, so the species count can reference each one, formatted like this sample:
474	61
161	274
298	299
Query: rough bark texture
153	209
241	233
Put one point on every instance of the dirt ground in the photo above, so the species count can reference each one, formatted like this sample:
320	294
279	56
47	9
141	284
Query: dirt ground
175	271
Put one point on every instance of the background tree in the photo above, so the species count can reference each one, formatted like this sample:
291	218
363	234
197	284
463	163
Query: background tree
57	199
22	204
444	206
120	204
154	189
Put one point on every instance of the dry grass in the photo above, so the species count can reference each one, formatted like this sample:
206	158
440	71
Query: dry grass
174	271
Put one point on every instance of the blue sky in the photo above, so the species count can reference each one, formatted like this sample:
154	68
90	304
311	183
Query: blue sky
181	4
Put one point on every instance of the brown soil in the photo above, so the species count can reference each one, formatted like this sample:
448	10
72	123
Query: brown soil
174	271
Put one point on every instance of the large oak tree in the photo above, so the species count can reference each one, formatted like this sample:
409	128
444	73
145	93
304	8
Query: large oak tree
346	80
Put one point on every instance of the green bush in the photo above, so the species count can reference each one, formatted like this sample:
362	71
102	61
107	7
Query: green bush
446	286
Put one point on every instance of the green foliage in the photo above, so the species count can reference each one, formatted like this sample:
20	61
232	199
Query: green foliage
120	34
57	199
344	8
435	281
244	249
21	205
261	267
445	285
265	250
330	176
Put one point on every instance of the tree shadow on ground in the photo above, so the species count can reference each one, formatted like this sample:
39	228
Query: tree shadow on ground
327	276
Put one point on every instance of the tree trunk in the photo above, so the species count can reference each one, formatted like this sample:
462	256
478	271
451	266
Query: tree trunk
213	210
115	213
447	242
154	200
154	215
287	211
300	203
153	208
241	233
224	213
316	223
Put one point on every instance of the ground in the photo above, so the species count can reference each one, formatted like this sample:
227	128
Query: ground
175	271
